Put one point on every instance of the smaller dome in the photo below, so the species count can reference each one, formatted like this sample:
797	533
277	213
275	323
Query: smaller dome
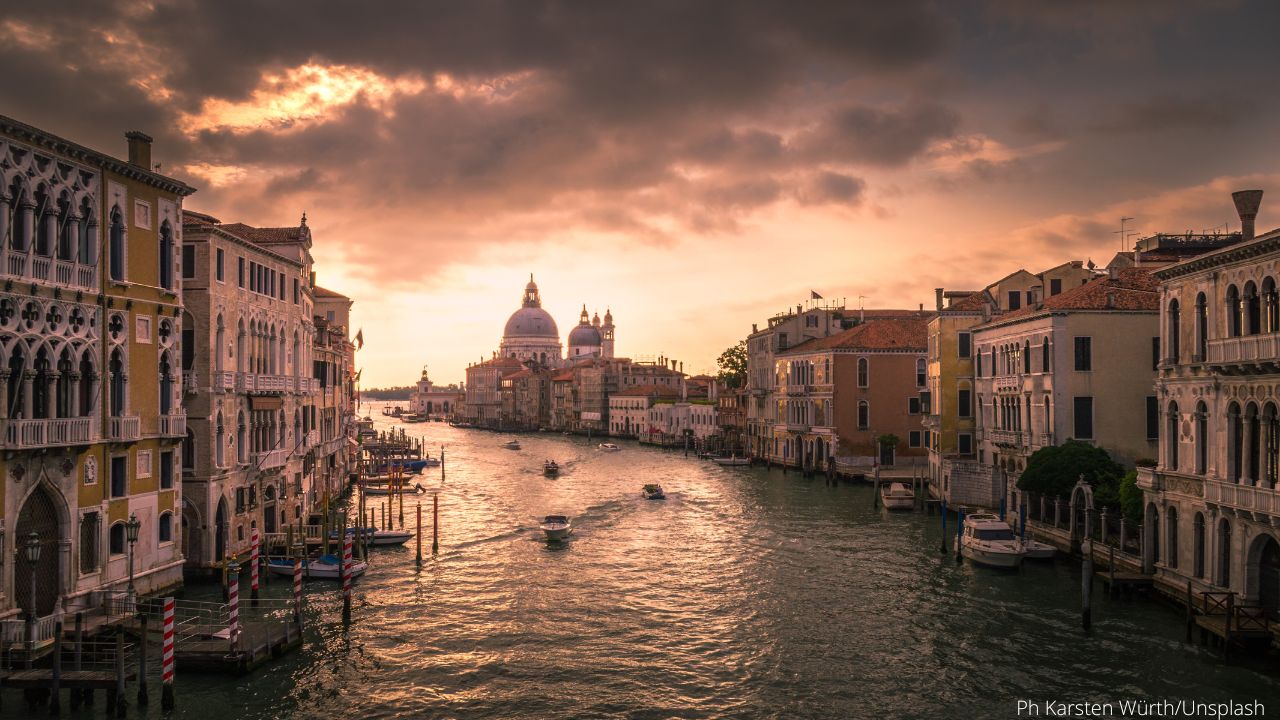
584	336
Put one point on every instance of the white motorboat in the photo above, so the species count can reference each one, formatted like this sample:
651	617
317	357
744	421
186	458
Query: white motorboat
609	447
988	540
897	496
653	491
557	527
378	537
732	460
511	445
1036	550
393	489
325	567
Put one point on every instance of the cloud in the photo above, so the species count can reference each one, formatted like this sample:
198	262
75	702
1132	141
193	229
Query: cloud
1172	112
827	187
875	136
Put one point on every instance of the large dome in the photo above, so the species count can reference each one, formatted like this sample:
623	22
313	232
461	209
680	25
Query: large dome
531	322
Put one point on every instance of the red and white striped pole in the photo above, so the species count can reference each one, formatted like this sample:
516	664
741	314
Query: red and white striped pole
346	577
297	590
233	606
166	657
253	568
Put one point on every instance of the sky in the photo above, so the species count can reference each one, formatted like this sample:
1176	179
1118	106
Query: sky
695	167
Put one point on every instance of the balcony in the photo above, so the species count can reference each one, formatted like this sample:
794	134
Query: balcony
124	428
41	268
255	383
798	427
174	426
224	381
189	385
1247	499
271	459
1011	438
303	385
312	439
32	434
1251	353
1007	383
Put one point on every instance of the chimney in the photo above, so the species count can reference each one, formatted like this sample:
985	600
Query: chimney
139	149
937	292
1037	295
1247	202
753	329
1113	272
1111	299
922	308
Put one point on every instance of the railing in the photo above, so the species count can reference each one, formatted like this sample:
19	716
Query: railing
797	427
1242	497
1043	439
225	380
40	267
63	272
304	385
1005	437
19	434
174	425
124	428
189	384
16	264
13	632
1247	349
274	383
271	459
1007	383
87	276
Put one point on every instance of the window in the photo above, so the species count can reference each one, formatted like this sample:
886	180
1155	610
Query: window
966	344
1202	327
1175	330
116	540
921	378
1153	418
90	526
966	444
1055	286
978	365
913	439
1084	354
188	261
1015	299
166	256
965	402
1026	357
119	476
282	286
166	527
1044	356
220	257
253	277
1155	353
329	316
166	470
913	406
116	242
295	291
1083	418
864	415
1197	545
862	372
1171	537
240	269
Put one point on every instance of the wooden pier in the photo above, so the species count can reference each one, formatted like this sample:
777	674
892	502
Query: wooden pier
208	649
43	678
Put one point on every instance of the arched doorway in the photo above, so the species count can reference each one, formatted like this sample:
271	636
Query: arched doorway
220	531
1269	577
192	540
39	515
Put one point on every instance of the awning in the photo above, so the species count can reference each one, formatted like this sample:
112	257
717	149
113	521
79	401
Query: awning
265	402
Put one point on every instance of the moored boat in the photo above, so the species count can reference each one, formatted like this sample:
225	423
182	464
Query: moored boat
414	489
378	537
897	496
550	468
325	567
653	491
557	527
988	540
1036	550
609	447
732	460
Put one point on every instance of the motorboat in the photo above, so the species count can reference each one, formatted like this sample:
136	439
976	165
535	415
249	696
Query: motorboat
412	418
511	444
410	466
393	489
550	468
732	460
1036	550
375	536
393	411
557	527
609	447
325	567
653	491
897	496
988	540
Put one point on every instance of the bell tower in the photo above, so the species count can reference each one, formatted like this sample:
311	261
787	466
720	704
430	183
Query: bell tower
606	335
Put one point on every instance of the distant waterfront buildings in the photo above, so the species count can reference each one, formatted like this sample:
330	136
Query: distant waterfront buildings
438	402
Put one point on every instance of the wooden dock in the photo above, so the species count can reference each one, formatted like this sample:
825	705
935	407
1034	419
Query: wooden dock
209	649
1120	581
43	678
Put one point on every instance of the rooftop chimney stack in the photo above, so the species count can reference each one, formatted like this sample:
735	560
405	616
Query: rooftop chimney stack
139	149
937	292
1247	202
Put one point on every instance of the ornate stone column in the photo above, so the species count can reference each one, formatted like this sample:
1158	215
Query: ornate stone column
28	399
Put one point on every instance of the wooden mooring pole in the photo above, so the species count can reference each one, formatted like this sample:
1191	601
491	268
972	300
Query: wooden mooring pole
121	704
346	579
435	523
1086	579
418	535
959	531
55	684
76	694
944	527
142	662
1191	612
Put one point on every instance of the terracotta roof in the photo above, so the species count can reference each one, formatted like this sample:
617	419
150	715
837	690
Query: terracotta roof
265	235
500	363
646	390
325	292
904	333
562	376
1134	289
191	217
972	303
526	372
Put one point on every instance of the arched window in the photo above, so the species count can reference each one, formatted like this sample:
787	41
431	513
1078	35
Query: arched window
1171	436
88	400
241	360
219	348
23	209
46	218
1202	328
977	360
1026	357
864	415
116	242
220	443
165	526
1197	541
242	446
862	373
1171	537
921	378
1202	437
68	230
166	384
65	408
1235	442
119	383
1233	311
1044	355
1224	552
189	450
1270	310
87	250
42	405
1174	345
1252	309
116	539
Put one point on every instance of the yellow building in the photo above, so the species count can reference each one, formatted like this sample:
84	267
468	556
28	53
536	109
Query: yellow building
90	338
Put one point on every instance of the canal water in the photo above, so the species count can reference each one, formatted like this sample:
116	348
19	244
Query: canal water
746	594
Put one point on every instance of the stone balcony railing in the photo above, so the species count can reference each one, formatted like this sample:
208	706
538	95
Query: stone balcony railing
30	434
1242	498
174	425
41	268
189	384
800	427
271	459
257	383
1246	350
124	428
1005	437
224	381
1006	383
312	439
304	385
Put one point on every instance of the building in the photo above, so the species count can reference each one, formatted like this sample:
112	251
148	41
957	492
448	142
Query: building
629	409
332	456
483	395
526	398
852	396
1076	365
1212	504
590	338
256	398
91	333
530	332
731	416
437	402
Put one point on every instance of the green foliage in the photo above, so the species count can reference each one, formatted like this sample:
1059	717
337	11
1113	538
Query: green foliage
1130	497
392	393
733	366
888	440
1053	471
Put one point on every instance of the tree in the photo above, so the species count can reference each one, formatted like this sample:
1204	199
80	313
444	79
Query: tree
1053	471
733	366
1130	497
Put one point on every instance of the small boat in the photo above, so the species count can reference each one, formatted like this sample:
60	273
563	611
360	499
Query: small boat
1036	550
376	536
609	447
325	567
409	466
511	444
653	491
395	411
897	496
988	540
550	468
557	527
392	489
412	418
731	461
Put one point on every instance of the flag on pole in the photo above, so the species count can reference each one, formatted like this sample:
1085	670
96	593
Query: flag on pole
360	338
813	295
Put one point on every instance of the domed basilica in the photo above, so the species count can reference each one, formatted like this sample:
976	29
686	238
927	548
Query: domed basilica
531	334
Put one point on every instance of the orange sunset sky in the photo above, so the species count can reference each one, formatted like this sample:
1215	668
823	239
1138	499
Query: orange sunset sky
694	166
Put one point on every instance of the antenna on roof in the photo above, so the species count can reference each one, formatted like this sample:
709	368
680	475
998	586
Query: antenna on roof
1121	232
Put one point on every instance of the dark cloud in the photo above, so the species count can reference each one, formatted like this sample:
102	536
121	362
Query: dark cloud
874	136
828	187
1172	112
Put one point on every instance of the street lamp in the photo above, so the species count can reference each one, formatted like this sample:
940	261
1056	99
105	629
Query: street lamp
131	534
